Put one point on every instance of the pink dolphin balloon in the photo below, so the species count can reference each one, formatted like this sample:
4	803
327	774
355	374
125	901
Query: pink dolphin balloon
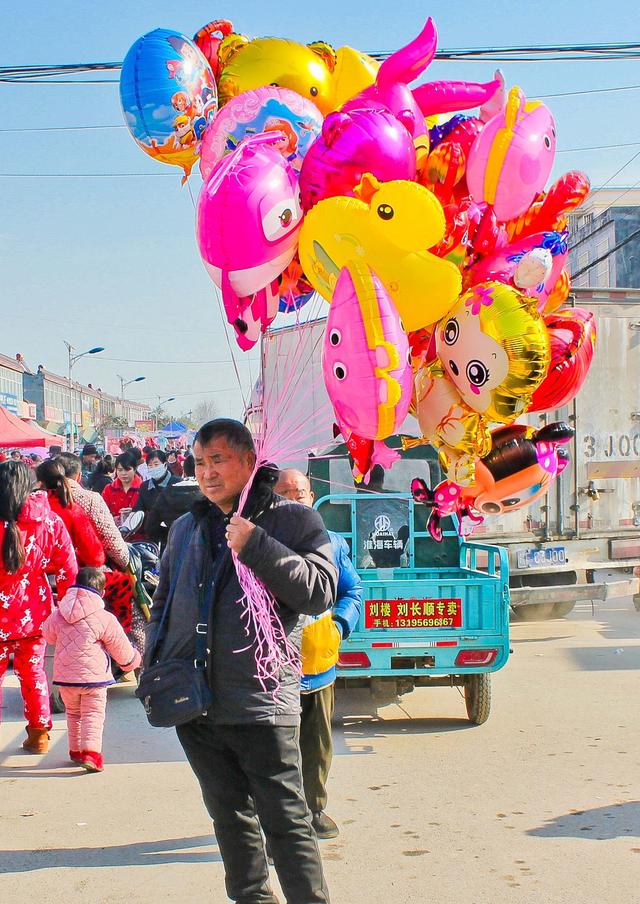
365	360
352	144
391	88
510	161
248	220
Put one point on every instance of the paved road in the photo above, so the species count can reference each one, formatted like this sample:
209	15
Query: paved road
540	804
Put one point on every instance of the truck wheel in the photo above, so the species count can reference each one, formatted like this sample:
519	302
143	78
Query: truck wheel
55	701
542	611
477	697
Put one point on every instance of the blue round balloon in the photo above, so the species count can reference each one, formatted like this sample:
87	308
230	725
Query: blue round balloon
168	95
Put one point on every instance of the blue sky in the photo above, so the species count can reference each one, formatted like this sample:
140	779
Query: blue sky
113	261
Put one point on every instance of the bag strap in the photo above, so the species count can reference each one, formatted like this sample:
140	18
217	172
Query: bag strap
204	610
172	589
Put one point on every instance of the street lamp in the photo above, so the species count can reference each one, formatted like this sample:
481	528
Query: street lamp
72	360
123	384
163	402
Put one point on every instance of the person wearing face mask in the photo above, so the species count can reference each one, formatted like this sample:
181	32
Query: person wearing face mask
160	477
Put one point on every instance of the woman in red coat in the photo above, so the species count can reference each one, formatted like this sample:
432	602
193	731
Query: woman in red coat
81	530
33	543
86	542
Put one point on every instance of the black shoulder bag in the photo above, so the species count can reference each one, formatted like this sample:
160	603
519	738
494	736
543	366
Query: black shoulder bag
175	691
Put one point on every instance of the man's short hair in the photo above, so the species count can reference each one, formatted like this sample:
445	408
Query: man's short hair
71	464
157	453
236	434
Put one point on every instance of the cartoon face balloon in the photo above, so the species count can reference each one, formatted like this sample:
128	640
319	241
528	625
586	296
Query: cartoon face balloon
510	161
493	352
494	348
248	220
389	227
365	360
168	96
263	110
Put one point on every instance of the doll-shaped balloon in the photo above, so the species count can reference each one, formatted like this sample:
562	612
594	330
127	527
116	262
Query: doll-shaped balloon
521	467
492	353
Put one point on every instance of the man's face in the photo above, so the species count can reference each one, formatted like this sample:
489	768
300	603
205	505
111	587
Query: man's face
153	462
295	486
89	459
15	456
222	472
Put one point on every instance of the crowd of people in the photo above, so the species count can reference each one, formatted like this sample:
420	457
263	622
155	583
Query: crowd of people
261	756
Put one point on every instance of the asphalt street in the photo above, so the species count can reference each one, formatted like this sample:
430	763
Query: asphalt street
540	804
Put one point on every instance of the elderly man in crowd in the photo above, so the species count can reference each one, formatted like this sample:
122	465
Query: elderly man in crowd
320	646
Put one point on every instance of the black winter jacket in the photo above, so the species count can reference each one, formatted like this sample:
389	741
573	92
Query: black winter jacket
291	553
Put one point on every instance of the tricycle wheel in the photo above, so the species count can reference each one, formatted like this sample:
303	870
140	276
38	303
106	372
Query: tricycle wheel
477	697
55	701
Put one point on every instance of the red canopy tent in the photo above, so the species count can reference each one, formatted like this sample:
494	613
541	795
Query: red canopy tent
16	434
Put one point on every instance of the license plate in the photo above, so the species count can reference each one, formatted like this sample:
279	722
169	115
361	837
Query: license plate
538	558
413	613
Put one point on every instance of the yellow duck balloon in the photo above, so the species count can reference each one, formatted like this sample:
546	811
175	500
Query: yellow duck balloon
316	71
389	226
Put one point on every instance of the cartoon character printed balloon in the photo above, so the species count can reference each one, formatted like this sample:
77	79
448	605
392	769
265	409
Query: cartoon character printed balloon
168	96
521	467
263	110
388	226
352	144
510	161
248	220
365	359
493	352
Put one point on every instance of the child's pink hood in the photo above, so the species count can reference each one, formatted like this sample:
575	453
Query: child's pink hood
79	602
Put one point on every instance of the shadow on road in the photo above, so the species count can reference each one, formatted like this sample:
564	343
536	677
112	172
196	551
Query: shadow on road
620	820
143	853
605	659
541	639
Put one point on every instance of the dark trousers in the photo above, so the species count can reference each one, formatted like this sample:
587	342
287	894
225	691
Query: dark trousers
250	777
316	745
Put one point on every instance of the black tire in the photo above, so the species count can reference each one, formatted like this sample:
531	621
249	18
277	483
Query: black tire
477	697
55	701
542	611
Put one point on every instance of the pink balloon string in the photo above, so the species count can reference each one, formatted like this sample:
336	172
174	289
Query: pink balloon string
284	404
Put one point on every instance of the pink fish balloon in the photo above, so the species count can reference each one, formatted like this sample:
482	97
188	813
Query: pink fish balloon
352	144
248	219
365	360
510	161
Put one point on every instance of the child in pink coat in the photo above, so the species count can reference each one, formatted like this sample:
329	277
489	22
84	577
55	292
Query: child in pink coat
85	636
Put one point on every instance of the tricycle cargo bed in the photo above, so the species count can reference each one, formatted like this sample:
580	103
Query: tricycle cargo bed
426	623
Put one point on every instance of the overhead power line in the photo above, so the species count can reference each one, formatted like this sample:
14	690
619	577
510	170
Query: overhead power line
518	53
603	257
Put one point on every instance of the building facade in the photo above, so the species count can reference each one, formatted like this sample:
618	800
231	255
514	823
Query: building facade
604	244
50	400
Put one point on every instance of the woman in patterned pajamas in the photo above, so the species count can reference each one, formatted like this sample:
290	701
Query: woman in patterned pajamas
33	543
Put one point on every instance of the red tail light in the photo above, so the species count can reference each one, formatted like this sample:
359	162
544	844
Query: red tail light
476	657
353	661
